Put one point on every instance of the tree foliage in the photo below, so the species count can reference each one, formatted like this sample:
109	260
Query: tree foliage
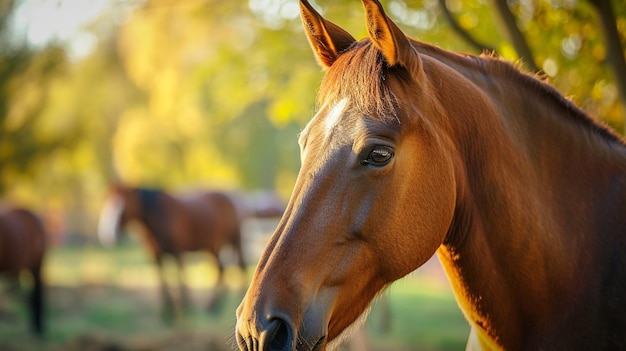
213	93
25	77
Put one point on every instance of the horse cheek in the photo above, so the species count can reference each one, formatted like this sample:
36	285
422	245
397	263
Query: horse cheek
423	211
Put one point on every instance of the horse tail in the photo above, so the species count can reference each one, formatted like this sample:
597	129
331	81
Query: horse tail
109	221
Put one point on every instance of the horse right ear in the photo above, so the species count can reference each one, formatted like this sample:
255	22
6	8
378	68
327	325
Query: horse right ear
327	39
394	45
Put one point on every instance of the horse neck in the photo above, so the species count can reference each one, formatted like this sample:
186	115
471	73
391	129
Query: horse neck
148	204
531	172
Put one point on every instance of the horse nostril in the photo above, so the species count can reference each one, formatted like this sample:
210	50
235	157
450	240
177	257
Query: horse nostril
278	336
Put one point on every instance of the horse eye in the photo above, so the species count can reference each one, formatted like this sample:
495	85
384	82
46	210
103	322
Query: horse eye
379	156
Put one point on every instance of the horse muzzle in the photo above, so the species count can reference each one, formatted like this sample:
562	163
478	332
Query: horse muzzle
277	332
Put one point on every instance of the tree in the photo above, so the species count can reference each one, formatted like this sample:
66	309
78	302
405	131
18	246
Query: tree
25	75
577	16
614	47
213	93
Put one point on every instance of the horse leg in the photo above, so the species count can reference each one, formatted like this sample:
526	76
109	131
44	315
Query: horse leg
37	301
215	297
184	291
168	311
8	295
237	245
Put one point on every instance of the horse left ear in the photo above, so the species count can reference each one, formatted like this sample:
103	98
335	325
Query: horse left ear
389	38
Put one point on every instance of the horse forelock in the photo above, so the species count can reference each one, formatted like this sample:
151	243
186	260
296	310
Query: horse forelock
360	75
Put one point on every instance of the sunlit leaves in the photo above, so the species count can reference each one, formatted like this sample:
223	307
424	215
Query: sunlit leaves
206	67
274	13
24	93
210	92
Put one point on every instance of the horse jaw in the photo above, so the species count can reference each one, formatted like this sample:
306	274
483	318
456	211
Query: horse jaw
109	221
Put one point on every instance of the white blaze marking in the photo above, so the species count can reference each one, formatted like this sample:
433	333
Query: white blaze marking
109	220
333	116
330	122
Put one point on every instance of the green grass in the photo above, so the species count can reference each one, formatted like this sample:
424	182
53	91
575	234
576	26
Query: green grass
107	299
424	316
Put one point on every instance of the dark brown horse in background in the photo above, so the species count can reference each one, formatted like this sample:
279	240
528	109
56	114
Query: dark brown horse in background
173	225
22	248
414	151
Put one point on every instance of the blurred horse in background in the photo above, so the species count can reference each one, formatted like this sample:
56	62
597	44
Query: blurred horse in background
22	248
173	225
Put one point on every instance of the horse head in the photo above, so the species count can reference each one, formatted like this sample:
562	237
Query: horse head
121	205
374	197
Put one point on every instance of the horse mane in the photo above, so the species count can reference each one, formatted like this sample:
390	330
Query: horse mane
351	77
494	65
149	200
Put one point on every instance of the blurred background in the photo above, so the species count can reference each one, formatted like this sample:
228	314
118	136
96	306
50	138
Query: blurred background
210	94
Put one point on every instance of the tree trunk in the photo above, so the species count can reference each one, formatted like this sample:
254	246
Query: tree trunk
515	35
480	47
614	51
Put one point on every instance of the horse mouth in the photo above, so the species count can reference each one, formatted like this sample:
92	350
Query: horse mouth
280	338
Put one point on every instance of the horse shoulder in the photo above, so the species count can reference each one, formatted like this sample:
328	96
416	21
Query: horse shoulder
21	232
34	227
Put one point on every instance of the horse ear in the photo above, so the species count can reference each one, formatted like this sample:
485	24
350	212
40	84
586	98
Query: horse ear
389	38
327	39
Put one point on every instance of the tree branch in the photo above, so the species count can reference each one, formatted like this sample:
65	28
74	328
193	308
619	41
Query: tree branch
515	35
480	47
614	50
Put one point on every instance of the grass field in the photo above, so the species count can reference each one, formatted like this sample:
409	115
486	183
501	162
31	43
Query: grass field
101	299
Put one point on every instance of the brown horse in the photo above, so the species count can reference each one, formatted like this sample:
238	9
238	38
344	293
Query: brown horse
22	248
414	151
173	225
